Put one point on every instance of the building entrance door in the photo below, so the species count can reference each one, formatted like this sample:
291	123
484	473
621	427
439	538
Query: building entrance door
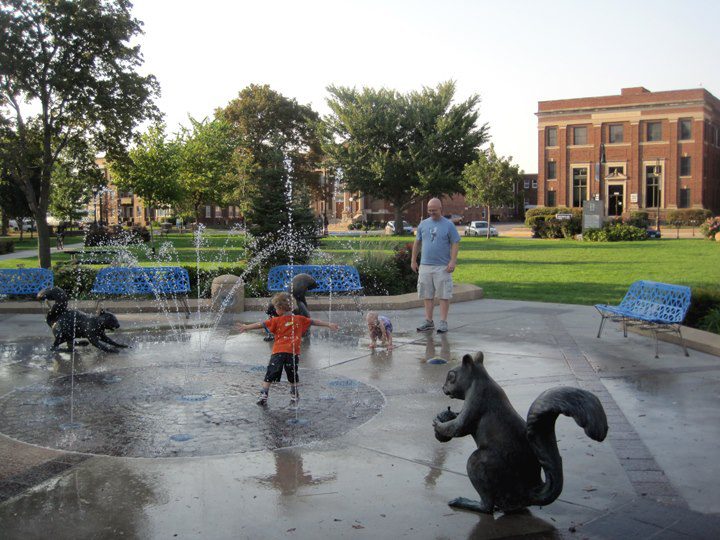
615	200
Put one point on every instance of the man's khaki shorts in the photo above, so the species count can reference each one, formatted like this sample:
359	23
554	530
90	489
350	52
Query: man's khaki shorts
434	281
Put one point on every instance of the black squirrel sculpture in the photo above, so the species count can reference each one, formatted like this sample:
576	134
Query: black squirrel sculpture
505	468
301	284
70	324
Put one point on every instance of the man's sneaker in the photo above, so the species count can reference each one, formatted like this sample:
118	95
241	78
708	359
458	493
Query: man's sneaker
442	327
426	326
262	399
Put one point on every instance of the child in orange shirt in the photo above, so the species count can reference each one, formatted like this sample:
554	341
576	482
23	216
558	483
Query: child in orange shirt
288	330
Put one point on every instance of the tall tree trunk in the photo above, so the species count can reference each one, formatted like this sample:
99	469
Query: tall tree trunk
43	242
488	220
398	219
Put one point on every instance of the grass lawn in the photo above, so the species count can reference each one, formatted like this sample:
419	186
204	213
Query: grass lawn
574	272
564	271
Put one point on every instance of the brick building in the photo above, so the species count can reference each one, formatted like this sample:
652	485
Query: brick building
637	150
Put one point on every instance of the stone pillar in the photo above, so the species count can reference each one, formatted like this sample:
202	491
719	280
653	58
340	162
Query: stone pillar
225	285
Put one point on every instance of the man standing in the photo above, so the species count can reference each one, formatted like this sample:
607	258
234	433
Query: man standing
439	241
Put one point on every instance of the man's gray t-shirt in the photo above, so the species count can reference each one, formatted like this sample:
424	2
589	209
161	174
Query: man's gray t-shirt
437	237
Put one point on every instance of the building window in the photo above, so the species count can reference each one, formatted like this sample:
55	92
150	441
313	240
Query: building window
551	170
579	186
580	135
208	211
551	136
534	183
652	185
684	198
526	183
685	165
616	170
653	131
551	201
685	129
615	133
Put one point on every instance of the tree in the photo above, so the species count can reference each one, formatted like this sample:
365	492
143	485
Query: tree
75	176
150	170
204	162
12	202
491	180
71	193
402	147
72	61
276	167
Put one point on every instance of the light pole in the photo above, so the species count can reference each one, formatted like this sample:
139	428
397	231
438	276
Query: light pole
656	174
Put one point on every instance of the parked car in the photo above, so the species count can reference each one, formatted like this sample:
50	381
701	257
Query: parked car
479	228
457	219
653	233
390	228
27	225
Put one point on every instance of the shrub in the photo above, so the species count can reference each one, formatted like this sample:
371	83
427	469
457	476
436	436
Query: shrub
711	321
688	216
702	302
638	218
615	232
75	279
7	246
543	223
711	227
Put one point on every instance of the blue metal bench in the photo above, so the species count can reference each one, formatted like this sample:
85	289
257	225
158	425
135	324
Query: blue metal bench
650	305
24	280
330	278
155	280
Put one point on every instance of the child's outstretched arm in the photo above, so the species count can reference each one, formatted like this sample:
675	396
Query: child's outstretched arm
251	326
330	325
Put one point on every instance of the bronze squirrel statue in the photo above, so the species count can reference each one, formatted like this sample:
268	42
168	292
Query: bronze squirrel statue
70	324
505	468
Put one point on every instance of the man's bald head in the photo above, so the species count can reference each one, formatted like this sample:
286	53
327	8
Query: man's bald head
434	208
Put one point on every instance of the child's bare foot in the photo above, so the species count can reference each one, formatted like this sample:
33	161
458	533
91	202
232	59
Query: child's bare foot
372	345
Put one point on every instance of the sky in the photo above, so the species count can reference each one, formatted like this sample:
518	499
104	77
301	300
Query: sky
510	53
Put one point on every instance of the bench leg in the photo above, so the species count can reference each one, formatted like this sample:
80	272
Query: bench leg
357	303
656	343
97	305
186	306
624	325
602	322
682	341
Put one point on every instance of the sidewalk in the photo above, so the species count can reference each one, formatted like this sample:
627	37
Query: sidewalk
26	253
327	471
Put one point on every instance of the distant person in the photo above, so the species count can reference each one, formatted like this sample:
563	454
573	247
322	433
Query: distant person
288	330
380	328
60	237
438	241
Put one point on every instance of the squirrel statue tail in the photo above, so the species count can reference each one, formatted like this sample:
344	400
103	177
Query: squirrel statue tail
587	411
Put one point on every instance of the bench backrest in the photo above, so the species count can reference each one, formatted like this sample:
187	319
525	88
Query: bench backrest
329	277
660	302
141	280
25	280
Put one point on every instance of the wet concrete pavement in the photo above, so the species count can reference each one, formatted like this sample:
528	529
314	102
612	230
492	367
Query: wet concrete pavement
92	456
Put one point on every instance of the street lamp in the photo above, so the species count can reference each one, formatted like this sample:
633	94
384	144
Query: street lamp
656	175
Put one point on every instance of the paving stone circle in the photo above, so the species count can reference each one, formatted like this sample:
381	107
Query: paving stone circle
176	410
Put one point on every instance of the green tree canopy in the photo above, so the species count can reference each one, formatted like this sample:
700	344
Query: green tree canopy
491	180
401	147
275	168
150	170
73	62
205	157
